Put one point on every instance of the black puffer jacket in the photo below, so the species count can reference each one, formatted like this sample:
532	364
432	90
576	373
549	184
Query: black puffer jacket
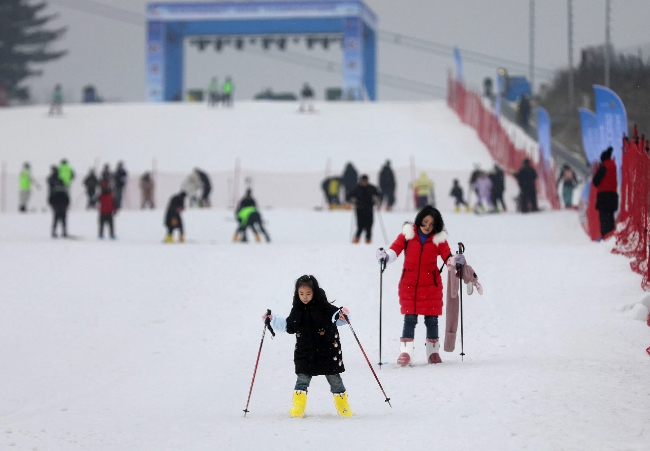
318	347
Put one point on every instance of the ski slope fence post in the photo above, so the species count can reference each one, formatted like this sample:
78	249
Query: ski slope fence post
633	221
472	111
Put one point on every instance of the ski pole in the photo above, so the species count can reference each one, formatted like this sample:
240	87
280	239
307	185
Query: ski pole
381	223
267	324
364	354
461	250
382	268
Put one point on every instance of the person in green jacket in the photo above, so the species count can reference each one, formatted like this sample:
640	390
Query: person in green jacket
248	216
25	187
66	173
227	91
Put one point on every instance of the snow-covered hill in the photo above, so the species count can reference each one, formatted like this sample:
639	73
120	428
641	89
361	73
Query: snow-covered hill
138	345
284	154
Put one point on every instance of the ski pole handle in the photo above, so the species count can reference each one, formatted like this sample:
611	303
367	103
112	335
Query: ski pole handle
383	261
461	248
267	322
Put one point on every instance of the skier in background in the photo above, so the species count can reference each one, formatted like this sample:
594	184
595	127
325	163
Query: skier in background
213	92
107	211
106	175
191	186
25	185
146	190
66	173
91	183
56	105
483	187
307	98
526	177
120	179
387	185
364	196
498	179
206	187
424	190
227	92
59	200
332	188
350	179
457	193
173	218
250	217
569	183
472	179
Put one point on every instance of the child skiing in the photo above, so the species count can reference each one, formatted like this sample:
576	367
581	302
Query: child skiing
420	287
318	348
457	193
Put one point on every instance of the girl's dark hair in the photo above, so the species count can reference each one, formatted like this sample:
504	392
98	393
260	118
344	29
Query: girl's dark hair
428	210
311	282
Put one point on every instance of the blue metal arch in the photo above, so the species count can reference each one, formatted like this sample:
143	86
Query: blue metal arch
170	24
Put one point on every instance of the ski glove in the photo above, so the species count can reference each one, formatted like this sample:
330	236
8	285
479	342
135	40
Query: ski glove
270	317
382	256
343	311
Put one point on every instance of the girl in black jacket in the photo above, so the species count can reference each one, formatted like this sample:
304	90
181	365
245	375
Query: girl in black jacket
318	348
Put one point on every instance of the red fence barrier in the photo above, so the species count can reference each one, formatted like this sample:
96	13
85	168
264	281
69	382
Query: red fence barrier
470	108
634	216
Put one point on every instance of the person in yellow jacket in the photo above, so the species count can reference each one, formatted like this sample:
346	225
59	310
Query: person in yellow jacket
66	174
25	187
423	190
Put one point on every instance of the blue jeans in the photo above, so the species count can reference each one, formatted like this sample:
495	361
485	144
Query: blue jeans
411	320
335	381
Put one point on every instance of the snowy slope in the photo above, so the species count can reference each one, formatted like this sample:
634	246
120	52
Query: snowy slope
267	136
284	154
138	345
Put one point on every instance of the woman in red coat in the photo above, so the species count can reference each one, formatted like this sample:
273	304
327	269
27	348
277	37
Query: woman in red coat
420	287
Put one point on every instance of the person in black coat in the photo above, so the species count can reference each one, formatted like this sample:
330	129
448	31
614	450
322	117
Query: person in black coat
120	177
318	351
497	177
173	217
350	179
59	201
91	183
365	196
457	193
526	177
387	185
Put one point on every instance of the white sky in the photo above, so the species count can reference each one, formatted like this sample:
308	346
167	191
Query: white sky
110	54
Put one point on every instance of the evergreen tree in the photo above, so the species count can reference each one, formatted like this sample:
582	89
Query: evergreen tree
23	41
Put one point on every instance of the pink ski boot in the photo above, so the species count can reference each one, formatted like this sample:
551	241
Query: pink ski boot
406	348
433	351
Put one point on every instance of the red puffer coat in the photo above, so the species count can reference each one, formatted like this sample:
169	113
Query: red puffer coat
420	287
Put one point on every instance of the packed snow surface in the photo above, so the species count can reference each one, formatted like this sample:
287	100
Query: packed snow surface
266	136
135	344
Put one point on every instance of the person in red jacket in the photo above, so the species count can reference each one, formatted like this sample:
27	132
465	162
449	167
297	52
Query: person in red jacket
606	183
106	210
420	287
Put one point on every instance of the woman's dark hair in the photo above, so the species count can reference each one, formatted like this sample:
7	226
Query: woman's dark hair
311	282
428	210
